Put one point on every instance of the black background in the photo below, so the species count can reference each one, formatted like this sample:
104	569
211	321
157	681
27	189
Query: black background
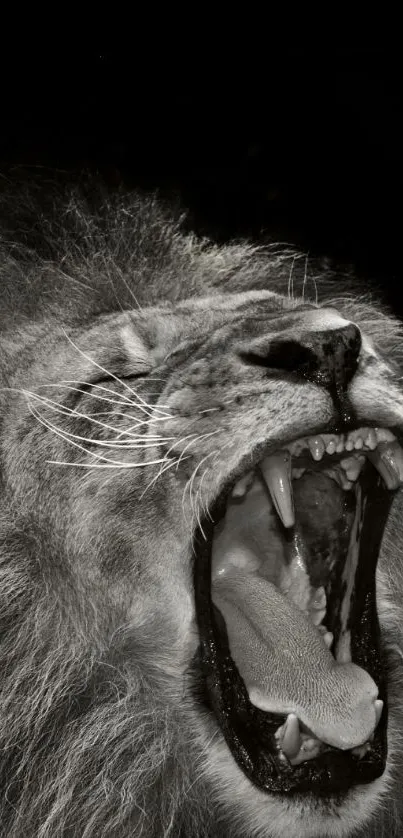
305	150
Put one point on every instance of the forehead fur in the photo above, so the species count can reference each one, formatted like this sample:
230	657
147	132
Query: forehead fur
73	253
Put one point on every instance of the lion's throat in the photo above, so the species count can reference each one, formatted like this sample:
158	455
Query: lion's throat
287	667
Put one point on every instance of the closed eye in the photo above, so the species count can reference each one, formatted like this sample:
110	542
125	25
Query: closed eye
103	382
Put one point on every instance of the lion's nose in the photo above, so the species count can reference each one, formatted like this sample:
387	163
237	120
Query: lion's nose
324	351
329	358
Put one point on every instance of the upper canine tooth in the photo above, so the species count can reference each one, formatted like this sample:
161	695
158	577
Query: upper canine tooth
388	460
316	447
276	471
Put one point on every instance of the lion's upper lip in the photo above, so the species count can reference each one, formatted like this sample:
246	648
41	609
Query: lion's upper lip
323	444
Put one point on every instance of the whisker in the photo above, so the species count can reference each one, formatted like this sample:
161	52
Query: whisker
120	398
178	442
143	404
189	485
199	494
162	470
291	281
316	290
139	423
109	464
197	439
143	444
125	399
68	412
62	436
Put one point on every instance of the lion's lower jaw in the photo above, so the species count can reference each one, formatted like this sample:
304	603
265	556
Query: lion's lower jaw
245	810
365	811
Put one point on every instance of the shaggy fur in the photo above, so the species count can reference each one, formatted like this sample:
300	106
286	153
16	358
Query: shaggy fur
124	408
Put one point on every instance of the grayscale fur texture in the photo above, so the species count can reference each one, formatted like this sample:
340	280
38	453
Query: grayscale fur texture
123	409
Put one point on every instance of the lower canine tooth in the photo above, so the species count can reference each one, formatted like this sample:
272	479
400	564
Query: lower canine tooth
276	471
290	741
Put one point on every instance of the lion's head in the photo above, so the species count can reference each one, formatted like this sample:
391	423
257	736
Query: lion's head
200	527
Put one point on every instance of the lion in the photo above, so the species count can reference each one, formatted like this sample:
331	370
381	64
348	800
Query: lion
200	528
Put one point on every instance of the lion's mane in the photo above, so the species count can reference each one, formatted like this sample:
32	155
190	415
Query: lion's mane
92	743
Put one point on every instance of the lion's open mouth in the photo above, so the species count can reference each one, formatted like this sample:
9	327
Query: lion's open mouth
286	606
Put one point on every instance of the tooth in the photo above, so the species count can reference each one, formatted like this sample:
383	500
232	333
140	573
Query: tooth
340	445
297	446
371	440
355	439
328	638
309	749
318	600
317	616
352	466
290	741
331	446
339	476
378	710
316	447
361	750
388	460
276	471
242	486
310	744
335	474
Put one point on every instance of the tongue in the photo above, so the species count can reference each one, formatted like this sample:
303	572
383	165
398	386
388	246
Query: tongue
286	666
281	656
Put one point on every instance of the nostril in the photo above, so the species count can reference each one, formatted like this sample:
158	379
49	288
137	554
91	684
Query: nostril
328	358
289	356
